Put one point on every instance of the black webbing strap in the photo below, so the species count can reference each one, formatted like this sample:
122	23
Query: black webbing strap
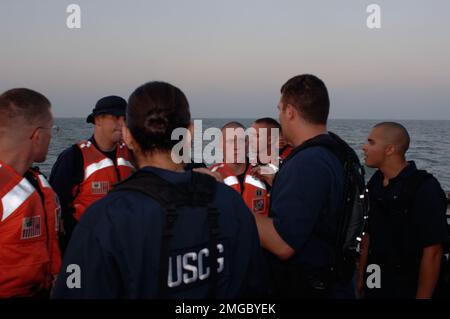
345	154
164	254
213	221
202	184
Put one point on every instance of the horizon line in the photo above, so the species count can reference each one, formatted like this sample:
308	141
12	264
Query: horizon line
252	118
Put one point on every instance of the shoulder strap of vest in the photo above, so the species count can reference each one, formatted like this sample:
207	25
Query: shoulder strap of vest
333	143
412	185
199	192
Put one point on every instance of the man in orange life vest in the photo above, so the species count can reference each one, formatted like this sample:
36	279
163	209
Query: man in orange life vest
235	170
86	171
268	123
29	209
267	147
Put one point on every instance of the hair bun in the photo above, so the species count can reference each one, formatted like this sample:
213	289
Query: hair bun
154	110
156	124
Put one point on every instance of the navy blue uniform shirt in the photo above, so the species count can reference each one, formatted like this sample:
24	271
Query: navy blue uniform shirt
305	196
397	237
117	247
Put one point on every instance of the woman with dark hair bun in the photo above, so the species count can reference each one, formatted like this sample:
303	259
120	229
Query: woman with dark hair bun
164	232
155	109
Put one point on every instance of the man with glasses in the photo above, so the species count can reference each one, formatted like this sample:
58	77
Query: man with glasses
29	210
86	171
54	129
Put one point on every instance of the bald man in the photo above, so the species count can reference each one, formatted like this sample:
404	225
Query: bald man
29	209
407	224
236	170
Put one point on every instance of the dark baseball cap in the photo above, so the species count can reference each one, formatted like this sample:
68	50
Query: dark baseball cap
112	104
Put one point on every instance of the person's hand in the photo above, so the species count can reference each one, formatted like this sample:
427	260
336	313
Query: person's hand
204	170
256	172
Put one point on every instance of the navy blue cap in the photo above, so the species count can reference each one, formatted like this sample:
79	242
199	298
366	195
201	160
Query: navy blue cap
112	104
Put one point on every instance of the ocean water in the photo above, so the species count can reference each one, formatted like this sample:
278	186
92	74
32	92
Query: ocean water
430	141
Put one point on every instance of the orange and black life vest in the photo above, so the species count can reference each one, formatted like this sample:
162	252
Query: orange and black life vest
29	224
100	174
254	191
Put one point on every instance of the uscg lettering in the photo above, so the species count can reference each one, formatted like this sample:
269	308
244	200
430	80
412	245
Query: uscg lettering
192	266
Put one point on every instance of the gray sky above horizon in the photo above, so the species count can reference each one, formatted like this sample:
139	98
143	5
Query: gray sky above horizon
231	57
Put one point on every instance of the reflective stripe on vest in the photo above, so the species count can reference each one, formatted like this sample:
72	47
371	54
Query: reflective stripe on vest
123	162
254	192
94	167
100	174
231	180
28	232
16	197
44	182
249	179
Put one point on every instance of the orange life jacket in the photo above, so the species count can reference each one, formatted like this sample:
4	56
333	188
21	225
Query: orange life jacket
100	174
29	224
255	193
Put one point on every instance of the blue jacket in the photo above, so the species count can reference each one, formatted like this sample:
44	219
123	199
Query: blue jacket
117	248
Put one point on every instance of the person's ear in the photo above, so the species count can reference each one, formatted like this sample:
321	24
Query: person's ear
291	111
35	136
127	137
390	150
98	120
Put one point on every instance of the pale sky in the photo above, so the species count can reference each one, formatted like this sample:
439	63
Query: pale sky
231	57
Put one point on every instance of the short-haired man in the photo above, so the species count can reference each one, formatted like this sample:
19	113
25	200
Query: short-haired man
407	223
306	199
29	210
271	153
